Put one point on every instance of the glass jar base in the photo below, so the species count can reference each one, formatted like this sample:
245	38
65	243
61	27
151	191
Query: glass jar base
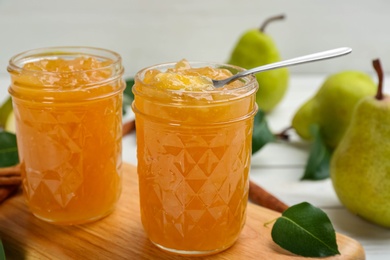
193	253
74	221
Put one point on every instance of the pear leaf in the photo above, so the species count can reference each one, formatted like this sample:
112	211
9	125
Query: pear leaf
261	133
2	253
128	95
128	92
317	166
8	149
5	110
305	230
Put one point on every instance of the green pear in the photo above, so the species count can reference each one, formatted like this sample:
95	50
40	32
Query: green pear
256	48
360	165
331	107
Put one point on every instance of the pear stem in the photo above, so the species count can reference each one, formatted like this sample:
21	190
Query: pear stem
269	20
284	135
378	68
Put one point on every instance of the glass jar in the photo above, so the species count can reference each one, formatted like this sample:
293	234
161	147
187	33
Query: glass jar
194	153
67	103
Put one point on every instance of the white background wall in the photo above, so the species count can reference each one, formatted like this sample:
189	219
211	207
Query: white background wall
146	32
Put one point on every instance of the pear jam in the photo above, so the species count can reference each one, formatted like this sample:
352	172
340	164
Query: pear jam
68	110
183	77
193	148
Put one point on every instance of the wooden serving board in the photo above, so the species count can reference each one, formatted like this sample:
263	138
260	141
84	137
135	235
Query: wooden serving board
121	236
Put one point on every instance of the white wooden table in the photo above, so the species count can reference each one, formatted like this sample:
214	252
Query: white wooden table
278	168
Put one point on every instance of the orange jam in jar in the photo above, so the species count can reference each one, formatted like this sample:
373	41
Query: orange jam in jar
194	149
68	108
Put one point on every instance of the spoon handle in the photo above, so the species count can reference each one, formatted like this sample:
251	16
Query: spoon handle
294	61
299	60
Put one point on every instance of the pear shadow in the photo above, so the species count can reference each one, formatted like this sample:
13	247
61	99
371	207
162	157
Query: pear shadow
358	227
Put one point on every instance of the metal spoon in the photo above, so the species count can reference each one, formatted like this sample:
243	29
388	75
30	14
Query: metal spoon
303	59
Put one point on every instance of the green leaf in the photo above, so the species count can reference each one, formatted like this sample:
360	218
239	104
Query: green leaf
128	92
128	95
306	231
8	149
261	133
2	253
129	85
317	166
5	110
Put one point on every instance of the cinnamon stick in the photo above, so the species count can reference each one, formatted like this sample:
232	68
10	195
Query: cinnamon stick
7	191
128	127
263	198
10	180
12	170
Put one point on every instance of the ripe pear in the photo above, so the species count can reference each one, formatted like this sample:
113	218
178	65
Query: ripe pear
256	48
360	165
10	123
331	107
5	111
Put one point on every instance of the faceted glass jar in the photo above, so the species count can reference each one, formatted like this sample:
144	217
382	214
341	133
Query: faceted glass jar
68	127
194	153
